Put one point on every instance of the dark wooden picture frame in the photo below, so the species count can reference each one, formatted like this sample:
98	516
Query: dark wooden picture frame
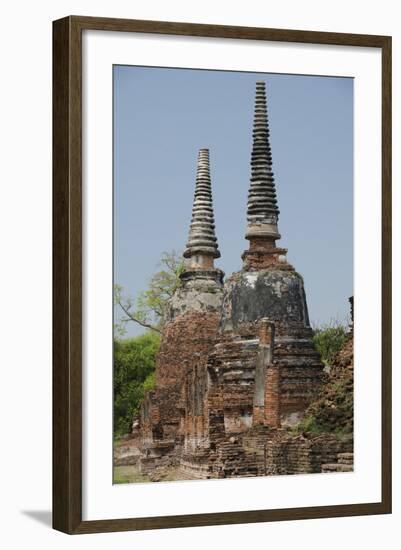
67	274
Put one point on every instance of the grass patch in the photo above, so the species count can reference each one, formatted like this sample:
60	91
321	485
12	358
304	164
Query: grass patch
128	474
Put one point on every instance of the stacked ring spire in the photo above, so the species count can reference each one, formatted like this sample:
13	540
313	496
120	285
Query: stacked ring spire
262	200
202	238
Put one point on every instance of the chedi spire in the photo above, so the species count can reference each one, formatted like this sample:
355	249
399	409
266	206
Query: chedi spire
263	213
202	245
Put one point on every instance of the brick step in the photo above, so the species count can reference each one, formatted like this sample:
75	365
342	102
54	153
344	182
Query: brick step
345	458
243	472
336	467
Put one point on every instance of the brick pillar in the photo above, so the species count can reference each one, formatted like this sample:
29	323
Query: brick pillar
262	405
272	396
271	386
266	334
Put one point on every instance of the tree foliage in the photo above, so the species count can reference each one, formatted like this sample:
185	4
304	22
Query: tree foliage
329	339
332	410
134	364
150	307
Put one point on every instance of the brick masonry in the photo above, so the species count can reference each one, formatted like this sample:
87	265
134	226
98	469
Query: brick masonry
211	416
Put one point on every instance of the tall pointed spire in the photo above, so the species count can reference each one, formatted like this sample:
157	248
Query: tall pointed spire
262	215
202	242
262	212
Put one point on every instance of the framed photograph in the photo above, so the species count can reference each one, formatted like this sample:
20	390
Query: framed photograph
222	274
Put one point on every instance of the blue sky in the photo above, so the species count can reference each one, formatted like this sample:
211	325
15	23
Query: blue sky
161	119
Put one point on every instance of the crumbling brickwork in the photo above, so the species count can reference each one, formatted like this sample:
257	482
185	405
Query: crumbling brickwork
264	254
301	455
215	385
187	336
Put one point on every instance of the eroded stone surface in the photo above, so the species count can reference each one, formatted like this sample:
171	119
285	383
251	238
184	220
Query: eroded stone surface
272	293
201	291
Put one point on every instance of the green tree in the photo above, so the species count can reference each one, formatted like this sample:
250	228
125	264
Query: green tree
332	409
329	339
150	307
134	364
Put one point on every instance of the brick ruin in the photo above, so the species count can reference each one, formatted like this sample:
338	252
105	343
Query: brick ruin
237	367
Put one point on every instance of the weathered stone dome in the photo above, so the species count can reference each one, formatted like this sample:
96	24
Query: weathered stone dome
200	291
275	294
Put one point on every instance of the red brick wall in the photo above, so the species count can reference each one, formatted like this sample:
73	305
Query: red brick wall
189	335
263	254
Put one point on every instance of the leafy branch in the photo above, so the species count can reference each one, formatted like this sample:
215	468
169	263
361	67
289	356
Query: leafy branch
130	315
150	308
